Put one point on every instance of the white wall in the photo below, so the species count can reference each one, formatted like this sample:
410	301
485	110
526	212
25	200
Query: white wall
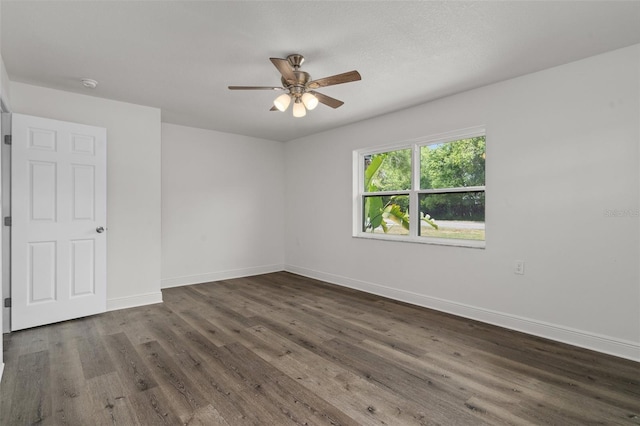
222	205
562	147
133	184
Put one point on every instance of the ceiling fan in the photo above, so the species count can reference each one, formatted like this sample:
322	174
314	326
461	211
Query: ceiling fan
300	87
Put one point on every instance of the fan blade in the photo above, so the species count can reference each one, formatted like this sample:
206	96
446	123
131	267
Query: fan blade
255	88
285	69
345	77
327	100
273	108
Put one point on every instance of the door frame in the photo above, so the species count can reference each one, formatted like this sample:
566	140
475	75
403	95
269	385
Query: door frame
5	231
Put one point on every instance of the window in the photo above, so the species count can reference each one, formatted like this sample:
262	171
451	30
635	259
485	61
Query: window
441	179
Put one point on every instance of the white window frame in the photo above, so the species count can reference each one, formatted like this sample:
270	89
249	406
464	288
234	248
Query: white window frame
414	192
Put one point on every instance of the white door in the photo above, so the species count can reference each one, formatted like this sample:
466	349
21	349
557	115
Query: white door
59	212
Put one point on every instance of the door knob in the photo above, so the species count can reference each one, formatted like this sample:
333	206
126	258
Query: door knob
100	229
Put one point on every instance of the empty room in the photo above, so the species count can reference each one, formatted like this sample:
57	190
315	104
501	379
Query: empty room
320	212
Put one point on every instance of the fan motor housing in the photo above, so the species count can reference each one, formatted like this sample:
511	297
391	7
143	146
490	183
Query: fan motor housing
302	78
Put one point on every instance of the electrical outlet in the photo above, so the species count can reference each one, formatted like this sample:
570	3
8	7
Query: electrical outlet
519	267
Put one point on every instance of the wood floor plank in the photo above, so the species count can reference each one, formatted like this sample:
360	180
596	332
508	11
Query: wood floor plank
135	323
279	349
354	395
127	360
558	384
70	398
153	407
291	399
199	359
31	390
221	308
488	387
28	341
94	357
184	395
420	388
110	403
207	416
249	389
112	322
215	334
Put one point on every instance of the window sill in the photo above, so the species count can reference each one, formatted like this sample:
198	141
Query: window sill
478	244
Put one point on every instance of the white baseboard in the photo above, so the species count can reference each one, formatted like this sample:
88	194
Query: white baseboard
133	301
221	275
608	345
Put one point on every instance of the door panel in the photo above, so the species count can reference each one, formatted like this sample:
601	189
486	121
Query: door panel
83	195
42	272
42	197
58	201
83	267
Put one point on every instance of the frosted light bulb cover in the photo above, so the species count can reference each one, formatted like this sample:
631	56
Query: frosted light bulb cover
309	101
299	110
282	102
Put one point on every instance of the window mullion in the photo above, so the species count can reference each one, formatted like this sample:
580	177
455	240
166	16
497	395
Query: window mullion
451	190
383	193
358	189
414	211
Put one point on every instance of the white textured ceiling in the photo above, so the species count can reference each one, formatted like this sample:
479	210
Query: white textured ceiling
180	56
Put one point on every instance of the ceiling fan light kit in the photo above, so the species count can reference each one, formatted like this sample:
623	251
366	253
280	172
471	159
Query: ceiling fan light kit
298	109
300	87
282	102
309	101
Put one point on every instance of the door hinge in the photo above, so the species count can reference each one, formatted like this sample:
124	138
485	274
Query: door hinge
7	302
7	139
7	221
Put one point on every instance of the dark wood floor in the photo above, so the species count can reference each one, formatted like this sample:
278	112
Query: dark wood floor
280	349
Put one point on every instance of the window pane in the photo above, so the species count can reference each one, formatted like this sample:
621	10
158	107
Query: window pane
388	171
457	215
387	214
453	164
